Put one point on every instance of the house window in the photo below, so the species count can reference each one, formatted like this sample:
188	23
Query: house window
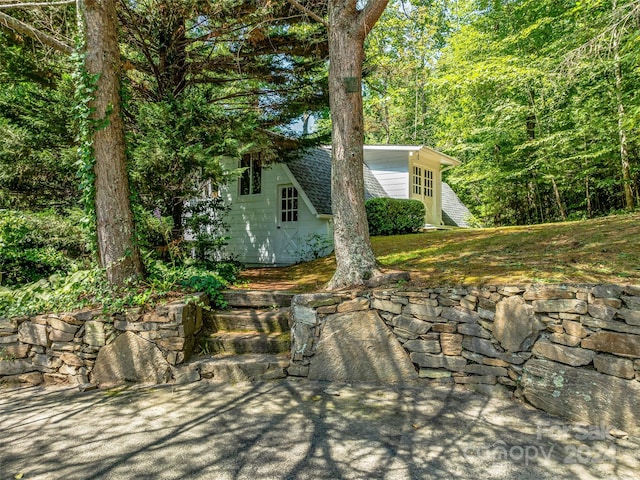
251	179
428	183
288	204
417	180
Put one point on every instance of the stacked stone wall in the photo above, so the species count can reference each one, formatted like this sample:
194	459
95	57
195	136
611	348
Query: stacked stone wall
573	350
64	348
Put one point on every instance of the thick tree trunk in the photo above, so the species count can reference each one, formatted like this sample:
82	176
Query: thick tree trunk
354	256
117	250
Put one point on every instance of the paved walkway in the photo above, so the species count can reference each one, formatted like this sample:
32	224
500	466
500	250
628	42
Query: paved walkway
296	429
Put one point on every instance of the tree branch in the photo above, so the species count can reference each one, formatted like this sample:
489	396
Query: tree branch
25	29
35	4
310	12
371	13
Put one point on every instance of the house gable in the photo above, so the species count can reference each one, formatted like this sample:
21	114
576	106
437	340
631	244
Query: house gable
272	224
386	174
257	233
312	170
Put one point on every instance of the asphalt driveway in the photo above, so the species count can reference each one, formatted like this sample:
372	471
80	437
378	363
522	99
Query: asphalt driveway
296	429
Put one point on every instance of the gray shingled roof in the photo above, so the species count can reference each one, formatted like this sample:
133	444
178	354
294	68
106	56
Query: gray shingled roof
312	170
454	212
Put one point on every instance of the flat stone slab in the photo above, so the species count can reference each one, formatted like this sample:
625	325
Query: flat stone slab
563	354
240	368
359	347
247	342
129	358
257	298
272	320
582	395
515	325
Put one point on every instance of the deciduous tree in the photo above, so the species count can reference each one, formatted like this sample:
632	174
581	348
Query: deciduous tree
348	23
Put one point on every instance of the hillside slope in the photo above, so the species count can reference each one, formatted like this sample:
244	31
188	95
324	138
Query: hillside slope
602	250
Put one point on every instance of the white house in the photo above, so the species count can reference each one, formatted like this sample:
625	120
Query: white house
278	210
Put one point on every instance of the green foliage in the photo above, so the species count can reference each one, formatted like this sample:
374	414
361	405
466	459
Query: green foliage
164	278
391	216
190	105
154	233
400	50
37	245
204	222
536	97
175	148
204	237
37	155
86	85
37	151
89	288
54	294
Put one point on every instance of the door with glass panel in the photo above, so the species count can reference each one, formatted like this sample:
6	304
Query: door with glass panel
288	248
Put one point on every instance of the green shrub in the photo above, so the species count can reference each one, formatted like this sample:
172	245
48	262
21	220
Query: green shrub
37	245
393	216
89	288
212	279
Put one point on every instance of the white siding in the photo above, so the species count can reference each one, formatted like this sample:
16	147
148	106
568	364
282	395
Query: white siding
391	170
255	236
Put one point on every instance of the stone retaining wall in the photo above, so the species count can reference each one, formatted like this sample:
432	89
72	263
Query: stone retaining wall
67	348
570	350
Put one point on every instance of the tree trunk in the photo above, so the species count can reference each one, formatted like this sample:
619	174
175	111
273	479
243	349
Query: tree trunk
622	133
177	213
114	220
348	28
587	196
556	194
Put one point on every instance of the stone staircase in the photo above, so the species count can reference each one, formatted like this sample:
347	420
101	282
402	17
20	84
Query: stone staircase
248	341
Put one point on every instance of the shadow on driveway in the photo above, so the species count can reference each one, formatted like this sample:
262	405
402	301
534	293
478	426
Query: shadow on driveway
296	429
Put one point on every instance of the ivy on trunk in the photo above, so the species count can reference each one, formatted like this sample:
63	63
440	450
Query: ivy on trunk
117	251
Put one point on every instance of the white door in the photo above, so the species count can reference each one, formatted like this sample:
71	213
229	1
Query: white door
288	239
423	189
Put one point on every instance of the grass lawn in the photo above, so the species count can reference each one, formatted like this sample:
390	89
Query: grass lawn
603	250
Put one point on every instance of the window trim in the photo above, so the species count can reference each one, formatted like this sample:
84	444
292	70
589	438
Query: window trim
289	211
422	181
416	183
428	182
250	181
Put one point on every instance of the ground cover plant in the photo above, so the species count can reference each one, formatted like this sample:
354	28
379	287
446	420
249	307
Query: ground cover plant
602	250
47	264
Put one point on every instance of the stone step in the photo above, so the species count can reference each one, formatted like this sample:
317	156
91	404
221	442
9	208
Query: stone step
264	321
238	343
257	298
250	367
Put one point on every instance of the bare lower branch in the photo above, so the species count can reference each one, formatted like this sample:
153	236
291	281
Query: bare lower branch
309	12
622	19
25	29
35	4
371	13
